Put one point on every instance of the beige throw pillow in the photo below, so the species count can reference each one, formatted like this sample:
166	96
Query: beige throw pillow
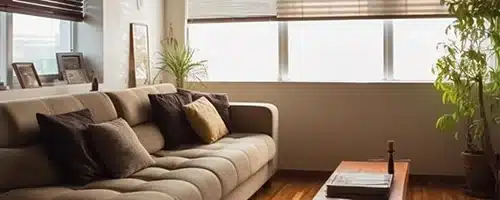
205	120
118	148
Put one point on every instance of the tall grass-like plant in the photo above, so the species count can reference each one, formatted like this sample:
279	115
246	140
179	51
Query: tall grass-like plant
467	77
178	60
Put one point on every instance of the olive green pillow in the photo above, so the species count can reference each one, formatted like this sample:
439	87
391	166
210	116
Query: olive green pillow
205	120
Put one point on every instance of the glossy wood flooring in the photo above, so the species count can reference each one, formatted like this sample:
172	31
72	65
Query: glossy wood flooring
300	187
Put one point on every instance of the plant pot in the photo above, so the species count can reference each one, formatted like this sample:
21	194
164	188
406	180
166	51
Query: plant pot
478	176
179	82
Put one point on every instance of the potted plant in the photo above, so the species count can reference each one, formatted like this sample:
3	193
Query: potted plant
178	61
470	82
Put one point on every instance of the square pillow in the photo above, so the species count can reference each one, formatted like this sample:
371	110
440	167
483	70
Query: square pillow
63	138
118	148
170	118
219	100
205	120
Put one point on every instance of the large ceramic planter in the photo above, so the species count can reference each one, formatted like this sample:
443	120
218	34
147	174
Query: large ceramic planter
478	176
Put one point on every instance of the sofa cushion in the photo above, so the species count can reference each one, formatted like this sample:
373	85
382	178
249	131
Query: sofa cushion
246	154
171	119
133	104
63	137
18	123
219	100
150	136
206	172
205	120
26	167
118	148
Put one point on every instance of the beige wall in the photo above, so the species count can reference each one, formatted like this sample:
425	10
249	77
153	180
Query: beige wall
324	123
117	17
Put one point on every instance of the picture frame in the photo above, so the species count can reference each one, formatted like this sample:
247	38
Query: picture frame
76	76
69	61
27	75
139	62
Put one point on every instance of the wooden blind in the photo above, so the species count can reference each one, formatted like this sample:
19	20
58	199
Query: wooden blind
359	9
59	9
231	10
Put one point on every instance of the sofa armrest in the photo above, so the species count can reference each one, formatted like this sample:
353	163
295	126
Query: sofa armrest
254	118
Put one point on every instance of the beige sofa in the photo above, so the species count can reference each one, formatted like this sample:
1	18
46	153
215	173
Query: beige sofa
235	167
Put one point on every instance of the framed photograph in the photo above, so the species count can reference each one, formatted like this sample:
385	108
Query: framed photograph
76	76
139	68
27	75
72	60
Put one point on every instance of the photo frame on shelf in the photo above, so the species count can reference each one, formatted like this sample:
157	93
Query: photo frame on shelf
76	76
72	61
27	75
139	66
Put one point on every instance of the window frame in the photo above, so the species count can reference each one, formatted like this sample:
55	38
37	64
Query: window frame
6	52
388	50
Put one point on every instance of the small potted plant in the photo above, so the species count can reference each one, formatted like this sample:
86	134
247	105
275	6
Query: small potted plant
178	61
470	83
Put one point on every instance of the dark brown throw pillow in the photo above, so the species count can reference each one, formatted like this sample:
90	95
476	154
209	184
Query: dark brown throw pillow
219	100
63	138
171	119
118	148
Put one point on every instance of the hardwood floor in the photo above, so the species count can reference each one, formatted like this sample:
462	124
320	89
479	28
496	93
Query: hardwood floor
286	186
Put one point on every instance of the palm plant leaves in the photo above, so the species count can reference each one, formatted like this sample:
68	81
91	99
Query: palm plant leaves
179	61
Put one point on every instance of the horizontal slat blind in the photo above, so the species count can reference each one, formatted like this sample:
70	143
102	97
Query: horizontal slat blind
359	9
233	10
59	9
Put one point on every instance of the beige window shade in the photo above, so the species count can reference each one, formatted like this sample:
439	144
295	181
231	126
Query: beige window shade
359	9
231	10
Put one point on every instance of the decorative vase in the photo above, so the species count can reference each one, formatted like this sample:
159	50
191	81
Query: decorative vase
479	178
95	84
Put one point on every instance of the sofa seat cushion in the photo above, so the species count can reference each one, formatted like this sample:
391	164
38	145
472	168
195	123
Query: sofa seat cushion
233	158
61	193
204	172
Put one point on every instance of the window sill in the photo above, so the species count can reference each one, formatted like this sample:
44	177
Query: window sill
17	93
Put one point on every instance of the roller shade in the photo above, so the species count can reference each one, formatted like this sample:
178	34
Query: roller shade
231	10
59	9
359	9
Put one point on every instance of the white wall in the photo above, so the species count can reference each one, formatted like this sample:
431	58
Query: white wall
89	37
324	123
104	40
117	18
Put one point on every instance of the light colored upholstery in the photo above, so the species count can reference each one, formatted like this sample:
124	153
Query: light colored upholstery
25	167
150	136
231	168
133	104
205	172
18	123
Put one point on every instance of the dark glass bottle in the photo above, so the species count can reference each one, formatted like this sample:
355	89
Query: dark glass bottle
390	162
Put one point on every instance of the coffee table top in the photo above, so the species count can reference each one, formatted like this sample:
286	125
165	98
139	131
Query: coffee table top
399	184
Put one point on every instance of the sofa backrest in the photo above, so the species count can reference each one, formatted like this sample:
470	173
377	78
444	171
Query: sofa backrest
19	131
18	124
133	106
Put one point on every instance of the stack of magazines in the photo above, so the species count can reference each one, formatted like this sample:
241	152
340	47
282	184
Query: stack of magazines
365	186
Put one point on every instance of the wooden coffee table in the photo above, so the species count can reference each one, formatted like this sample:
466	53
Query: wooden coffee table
399	185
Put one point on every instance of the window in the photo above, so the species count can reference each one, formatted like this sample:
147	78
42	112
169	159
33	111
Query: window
320	51
415	47
37	39
246	51
348	50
